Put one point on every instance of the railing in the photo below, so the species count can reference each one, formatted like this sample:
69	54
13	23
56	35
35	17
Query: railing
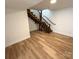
43	18
45	21
49	20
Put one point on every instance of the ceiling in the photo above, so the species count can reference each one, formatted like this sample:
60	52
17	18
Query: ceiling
45	4
38	4
20	4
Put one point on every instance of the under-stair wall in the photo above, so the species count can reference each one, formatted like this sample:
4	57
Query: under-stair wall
32	25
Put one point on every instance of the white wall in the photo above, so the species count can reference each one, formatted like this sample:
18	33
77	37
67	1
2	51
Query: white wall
32	25
64	21
17	28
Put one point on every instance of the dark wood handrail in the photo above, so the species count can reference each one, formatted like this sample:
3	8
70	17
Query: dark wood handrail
45	21
49	20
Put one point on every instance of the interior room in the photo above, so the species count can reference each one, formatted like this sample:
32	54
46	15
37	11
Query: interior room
39	29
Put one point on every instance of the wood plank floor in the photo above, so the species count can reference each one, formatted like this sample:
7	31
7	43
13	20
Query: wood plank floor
42	46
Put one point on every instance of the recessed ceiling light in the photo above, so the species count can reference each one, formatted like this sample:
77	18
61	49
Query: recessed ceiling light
53	1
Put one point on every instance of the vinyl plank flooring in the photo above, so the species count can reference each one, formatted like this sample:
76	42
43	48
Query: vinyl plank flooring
42	46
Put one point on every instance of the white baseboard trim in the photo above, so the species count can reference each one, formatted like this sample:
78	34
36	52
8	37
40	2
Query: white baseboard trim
64	33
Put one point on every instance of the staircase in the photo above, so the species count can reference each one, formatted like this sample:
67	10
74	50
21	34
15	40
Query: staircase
43	24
